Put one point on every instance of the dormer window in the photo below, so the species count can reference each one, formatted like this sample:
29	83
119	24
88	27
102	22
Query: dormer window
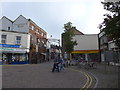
8	28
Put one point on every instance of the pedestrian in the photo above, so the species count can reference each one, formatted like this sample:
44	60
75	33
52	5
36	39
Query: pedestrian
55	65
61	64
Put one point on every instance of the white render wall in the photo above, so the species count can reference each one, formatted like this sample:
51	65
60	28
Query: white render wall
21	24
86	42
5	23
11	38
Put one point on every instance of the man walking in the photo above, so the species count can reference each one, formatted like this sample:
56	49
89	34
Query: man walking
55	65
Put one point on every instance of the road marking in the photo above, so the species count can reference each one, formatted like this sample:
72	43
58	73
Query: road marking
86	82
89	79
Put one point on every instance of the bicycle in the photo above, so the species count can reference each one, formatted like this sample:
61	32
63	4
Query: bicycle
90	65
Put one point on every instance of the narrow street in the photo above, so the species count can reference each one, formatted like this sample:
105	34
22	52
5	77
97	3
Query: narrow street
40	76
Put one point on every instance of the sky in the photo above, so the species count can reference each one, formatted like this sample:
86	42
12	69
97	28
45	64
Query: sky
51	15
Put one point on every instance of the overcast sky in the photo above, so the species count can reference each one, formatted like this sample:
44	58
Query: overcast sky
51	15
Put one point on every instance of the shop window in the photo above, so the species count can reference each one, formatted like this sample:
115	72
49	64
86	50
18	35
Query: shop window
3	39
4	58
19	58
18	39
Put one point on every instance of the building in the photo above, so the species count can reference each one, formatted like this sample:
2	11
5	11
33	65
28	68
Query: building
37	52
14	47
108	49
53	48
87	47
76	32
38	43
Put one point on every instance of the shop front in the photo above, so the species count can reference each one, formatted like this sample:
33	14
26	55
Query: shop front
14	55
89	55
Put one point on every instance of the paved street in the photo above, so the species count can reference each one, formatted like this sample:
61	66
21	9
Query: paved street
40	76
105	79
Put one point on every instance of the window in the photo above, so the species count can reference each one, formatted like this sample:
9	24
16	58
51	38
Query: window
42	34
3	39
8	28
37	31
18	39
32	27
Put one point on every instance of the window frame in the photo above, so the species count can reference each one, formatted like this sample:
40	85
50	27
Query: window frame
18	41
3	39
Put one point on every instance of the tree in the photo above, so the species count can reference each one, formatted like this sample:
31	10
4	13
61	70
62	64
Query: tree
111	24
67	38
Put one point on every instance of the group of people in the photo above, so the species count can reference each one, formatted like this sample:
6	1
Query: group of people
58	64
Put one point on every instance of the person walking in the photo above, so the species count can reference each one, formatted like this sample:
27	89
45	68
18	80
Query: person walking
61	64
55	65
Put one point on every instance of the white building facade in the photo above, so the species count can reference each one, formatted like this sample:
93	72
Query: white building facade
14	47
87	47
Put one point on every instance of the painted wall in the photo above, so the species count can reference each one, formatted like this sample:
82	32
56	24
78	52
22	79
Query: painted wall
11	39
86	42
5	23
21	24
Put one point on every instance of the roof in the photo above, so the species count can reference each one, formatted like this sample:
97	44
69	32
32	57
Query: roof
77	32
18	17
37	25
7	18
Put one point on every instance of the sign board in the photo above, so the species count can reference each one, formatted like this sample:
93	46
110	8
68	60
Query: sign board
13	50
9	45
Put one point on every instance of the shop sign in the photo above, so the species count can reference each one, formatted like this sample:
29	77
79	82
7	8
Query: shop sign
9	45
12	49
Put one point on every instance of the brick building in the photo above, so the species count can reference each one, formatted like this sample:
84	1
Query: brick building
38	43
